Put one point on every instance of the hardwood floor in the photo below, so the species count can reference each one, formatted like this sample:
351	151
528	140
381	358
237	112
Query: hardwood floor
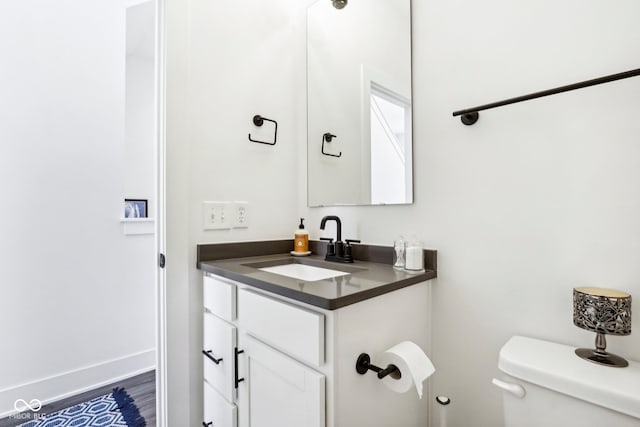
142	388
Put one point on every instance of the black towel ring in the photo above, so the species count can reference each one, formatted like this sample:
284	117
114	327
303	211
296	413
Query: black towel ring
328	137
258	120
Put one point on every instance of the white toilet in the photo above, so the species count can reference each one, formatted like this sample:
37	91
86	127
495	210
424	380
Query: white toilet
547	384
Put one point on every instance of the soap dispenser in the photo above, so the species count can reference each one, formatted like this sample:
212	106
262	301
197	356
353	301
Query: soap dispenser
301	240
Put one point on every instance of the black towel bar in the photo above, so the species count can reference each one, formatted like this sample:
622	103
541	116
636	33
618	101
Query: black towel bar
470	115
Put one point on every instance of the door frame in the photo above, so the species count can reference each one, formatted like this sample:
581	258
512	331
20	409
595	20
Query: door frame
160	232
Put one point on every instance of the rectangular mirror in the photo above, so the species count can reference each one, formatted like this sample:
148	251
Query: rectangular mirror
359	135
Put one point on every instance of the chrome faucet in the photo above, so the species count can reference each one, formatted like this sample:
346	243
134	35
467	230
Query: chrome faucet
339	251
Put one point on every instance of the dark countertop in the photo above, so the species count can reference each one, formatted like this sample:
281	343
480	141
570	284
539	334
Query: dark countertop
367	278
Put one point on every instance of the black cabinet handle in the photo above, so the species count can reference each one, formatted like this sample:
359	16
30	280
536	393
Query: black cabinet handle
237	380
210	423
209	354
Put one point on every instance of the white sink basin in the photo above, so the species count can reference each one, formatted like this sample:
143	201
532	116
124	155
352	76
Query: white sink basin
304	272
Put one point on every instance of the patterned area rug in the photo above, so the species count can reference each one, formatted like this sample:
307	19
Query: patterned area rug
116	409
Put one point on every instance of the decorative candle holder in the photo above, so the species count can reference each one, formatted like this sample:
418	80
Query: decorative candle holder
605	312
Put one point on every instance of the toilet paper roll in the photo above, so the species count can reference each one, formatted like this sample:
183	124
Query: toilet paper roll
413	363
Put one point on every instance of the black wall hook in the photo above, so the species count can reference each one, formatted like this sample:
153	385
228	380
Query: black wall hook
363	364
258	120
328	137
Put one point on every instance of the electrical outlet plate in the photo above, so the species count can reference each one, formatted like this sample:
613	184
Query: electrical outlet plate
216	215
240	214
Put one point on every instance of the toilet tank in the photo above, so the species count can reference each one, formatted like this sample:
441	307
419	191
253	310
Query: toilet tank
547	384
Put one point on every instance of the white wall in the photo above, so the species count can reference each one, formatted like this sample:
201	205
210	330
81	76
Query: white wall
227	61
533	200
76	312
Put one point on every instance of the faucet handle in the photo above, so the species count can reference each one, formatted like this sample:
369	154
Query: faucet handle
347	249
331	247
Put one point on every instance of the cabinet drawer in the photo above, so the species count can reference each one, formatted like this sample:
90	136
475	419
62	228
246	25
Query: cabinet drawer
219	342
217	410
292	329
220	297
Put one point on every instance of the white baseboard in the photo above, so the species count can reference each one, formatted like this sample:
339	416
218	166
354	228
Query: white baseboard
65	384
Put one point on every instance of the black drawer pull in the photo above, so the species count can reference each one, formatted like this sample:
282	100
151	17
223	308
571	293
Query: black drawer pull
209	354
210	423
237	380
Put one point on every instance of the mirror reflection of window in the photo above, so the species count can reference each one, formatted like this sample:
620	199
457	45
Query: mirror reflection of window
390	146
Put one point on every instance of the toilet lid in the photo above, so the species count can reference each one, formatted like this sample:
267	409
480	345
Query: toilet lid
557	367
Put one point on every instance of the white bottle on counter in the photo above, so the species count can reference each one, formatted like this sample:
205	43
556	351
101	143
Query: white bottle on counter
414	257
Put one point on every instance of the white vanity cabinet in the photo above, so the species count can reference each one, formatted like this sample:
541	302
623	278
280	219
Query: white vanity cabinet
274	388
285	363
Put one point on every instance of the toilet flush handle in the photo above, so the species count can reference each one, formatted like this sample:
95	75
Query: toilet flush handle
515	389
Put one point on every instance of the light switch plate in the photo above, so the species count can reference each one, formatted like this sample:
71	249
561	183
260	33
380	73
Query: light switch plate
215	215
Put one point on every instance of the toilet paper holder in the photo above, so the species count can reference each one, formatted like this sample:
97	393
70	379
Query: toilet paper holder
363	364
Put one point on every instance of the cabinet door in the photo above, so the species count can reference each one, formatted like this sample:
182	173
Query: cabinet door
219	343
277	390
217	411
